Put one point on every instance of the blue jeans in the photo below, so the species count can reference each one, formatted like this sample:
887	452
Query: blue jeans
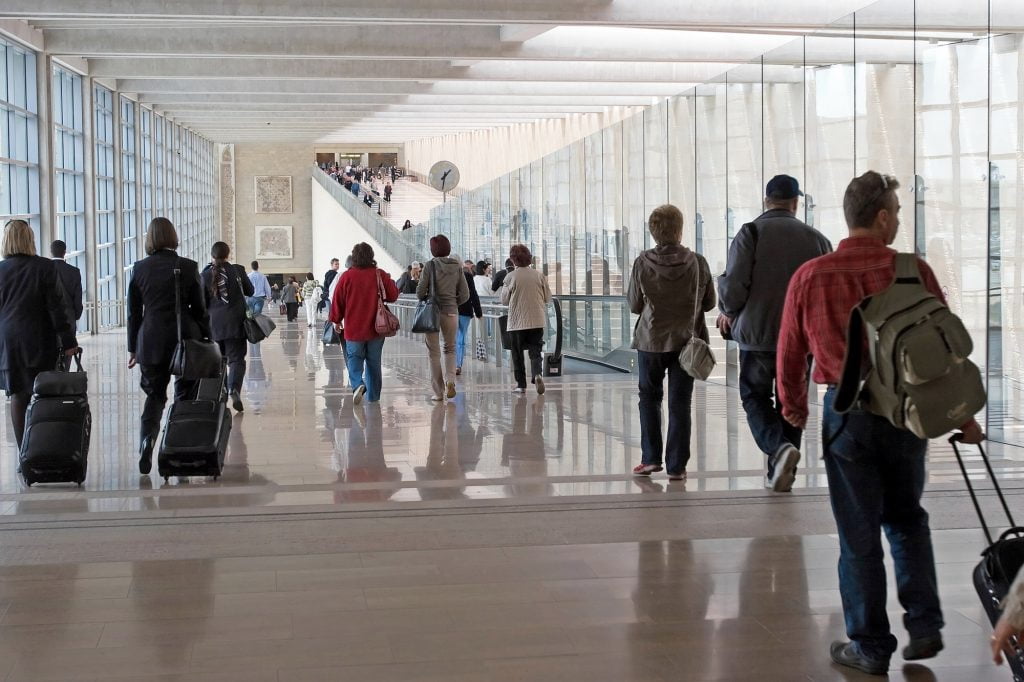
761	402
368	353
653	367
876	476
255	304
460	339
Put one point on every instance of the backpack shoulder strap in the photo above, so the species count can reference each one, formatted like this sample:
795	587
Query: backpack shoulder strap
849	383
907	271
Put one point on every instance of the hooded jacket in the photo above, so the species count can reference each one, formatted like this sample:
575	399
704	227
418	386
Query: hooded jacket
452	290
669	288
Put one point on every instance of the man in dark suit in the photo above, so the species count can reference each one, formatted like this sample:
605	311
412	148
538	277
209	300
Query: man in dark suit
70	278
328	278
499	276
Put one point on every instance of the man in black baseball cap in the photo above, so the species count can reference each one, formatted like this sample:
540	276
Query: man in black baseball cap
762	258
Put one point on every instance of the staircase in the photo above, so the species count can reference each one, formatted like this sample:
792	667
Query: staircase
412	200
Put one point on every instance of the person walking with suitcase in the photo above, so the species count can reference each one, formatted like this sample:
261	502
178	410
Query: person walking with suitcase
225	288
763	256
152	326
875	470
34	321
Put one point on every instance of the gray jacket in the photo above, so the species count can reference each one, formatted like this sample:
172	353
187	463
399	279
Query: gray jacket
762	258
452	288
669	288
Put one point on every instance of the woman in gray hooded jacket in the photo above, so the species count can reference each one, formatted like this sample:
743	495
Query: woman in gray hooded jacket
670	289
445	274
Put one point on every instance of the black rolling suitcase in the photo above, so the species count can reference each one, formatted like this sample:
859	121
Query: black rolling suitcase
55	448
999	563
196	434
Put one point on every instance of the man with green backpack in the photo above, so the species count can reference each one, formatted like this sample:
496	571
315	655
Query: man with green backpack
910	380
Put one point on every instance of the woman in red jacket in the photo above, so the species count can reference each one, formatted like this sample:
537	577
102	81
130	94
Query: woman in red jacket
354	307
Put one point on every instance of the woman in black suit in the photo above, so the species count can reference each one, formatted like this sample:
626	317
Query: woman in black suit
152	325
34	322
225	287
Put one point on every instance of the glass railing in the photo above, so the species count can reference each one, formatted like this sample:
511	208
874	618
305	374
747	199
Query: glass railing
398	244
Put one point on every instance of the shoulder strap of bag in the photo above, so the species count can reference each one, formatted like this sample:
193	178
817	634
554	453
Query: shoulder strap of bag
699	300
906	269
380	287
849	382
177	296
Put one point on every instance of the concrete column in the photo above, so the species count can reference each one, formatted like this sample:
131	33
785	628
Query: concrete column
89	181
44	96
118	203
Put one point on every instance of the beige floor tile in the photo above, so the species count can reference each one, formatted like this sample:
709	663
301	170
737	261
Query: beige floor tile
212	582
423	671
441	557
341	578
373	623
187	631
247	676
450	646
39	638
587	668
312	601
89	588
260	655
514	570
545	615
77	664
289	563
40	612
454	595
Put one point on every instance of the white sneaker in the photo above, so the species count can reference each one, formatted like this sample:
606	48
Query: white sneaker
437	398
782	469
519	391
357	395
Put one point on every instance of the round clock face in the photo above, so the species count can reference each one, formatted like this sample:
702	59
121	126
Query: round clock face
444	176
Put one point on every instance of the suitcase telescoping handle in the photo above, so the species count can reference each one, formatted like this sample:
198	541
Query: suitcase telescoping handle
970	488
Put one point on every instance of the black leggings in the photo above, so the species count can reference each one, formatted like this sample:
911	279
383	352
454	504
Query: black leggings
19	406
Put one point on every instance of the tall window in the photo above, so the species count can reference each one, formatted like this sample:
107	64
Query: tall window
19	136
129	189
159	177
69	168
106	223
146	166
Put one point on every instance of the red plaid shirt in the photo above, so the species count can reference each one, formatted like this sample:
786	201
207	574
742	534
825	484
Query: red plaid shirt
817	313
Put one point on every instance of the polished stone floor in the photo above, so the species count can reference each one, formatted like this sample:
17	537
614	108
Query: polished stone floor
494	538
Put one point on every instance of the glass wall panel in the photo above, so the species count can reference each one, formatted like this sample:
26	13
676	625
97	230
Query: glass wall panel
19	136
146	175
69	172
1006	232
129	189
107	289
682	160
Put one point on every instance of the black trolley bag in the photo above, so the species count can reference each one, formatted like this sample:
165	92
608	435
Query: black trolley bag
196	435
55	448
1000	561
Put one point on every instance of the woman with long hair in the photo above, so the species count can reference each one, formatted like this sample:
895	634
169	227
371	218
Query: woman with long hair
152	324
354	313
34	321
225	287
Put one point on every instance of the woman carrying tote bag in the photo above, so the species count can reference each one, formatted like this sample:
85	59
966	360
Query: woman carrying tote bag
662	291
444	282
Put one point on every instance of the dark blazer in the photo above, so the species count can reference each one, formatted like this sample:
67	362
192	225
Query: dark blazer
33	314
71	278
499	278
152	327
471	307
227	320
328	278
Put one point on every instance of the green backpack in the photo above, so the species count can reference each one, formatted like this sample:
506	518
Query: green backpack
920	377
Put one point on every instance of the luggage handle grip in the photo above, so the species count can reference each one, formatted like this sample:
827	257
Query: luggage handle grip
63	361
958	438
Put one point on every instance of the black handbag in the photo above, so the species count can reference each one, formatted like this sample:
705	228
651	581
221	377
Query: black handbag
257	327
61	381
331	337
427	318
193	358
1000	561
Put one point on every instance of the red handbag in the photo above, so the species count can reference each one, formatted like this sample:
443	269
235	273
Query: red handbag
386	322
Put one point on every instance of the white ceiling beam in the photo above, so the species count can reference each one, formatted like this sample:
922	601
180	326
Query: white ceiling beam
534	71
368	102
807	14
326	88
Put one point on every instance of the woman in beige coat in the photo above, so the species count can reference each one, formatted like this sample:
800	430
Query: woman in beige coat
525	291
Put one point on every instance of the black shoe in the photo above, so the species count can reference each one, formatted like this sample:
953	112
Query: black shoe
146	455
236	401
920	648
845	653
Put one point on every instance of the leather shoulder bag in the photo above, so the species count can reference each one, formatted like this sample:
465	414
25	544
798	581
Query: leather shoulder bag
386	322
193	358
427	318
